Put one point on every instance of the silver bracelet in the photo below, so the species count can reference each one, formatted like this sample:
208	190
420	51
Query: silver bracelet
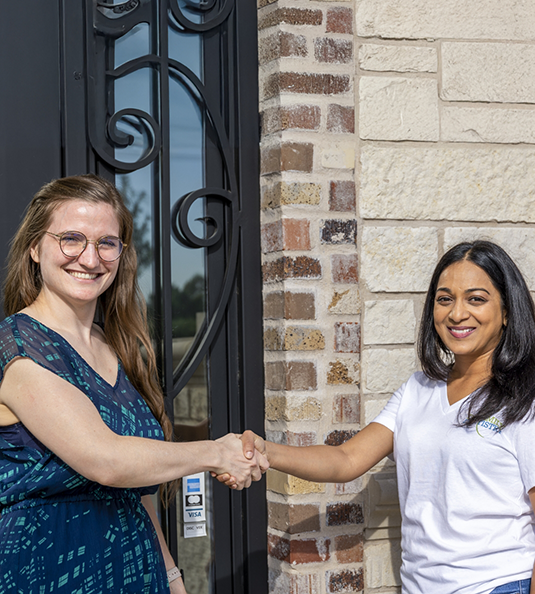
173	574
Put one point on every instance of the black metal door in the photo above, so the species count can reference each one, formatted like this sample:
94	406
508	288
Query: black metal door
161	97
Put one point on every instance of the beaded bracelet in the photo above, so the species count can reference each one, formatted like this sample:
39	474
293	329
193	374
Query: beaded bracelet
174	573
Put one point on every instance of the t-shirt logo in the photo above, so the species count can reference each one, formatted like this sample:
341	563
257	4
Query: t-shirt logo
489	427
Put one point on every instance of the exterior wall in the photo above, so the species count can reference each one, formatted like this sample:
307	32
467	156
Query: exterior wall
391	131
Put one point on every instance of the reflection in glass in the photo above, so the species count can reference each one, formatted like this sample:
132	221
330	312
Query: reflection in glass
139	90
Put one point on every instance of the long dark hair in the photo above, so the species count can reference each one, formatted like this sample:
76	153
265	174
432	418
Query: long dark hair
511	385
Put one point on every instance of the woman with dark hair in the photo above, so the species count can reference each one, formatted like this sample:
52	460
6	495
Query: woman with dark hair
462	433
83	430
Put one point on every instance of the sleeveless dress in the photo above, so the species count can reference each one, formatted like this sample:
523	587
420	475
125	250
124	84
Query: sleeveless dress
60	532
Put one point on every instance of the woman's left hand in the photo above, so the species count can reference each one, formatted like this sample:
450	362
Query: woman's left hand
177	587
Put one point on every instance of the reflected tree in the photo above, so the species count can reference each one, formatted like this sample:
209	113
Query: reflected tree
134	200
186	303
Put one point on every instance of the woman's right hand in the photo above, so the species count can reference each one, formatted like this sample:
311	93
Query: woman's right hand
239	466
253	447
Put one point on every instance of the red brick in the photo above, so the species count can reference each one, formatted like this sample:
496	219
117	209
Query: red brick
300	82
341	514
336	438
286	267
346	408
272	237
348	580
333	51
296	234
278	547
342	196
281	45
341	119
309	550
339	20
349	548
291	16
344	268
299	306
295	551
306	438
347	337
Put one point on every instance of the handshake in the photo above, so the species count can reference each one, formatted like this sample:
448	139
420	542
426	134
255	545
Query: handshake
243	460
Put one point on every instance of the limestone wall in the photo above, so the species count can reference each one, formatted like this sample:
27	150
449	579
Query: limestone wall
392	129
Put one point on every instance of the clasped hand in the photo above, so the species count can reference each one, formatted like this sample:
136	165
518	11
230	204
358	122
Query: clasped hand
243	462
252	449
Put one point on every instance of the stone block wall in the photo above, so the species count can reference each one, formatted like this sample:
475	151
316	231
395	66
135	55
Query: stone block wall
391	130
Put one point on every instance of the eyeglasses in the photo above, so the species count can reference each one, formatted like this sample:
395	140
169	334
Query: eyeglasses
73	243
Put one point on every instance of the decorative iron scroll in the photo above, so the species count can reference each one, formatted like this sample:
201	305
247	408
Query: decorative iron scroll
110	22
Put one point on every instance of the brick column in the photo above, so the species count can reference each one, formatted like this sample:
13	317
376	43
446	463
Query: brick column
311	298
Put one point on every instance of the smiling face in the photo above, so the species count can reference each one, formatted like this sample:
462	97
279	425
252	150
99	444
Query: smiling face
468	311
83	279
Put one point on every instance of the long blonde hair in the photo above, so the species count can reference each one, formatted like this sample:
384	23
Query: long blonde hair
123	306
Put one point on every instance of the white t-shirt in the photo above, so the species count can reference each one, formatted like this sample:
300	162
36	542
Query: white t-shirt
467	522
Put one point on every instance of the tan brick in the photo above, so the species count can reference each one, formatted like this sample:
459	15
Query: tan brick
343	372
299	306
281	193
294	409
291	485
299	338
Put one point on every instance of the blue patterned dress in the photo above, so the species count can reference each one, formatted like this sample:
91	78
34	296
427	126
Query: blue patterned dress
60	532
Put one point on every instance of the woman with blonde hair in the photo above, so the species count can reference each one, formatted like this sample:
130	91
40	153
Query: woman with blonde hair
83	432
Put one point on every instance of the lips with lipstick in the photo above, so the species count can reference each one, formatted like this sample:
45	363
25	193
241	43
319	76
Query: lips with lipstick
461	331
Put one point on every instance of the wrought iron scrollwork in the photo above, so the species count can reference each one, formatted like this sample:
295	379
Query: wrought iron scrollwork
111	21
209	21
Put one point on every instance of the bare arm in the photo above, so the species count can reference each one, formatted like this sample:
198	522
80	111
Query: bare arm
68	423
176	586
326	464
334	464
